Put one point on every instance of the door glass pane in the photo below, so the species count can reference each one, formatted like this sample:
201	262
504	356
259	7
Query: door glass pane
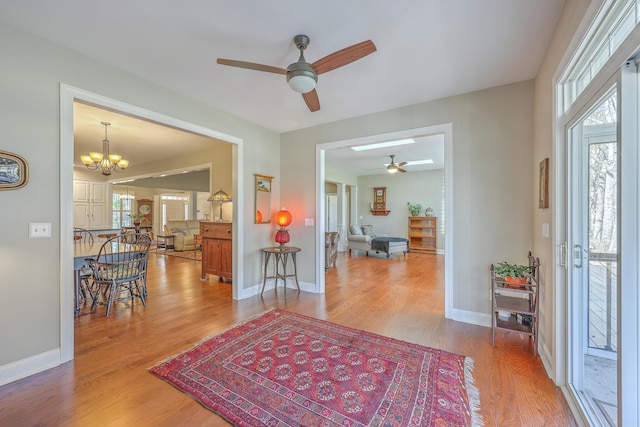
594	213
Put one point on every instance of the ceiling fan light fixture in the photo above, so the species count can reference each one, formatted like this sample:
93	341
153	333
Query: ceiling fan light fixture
392	169
301	80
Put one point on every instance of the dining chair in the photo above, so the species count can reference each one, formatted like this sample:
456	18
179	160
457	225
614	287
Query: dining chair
80	235
119	270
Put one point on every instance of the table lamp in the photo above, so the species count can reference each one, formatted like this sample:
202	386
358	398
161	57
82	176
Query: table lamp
222	198
283	219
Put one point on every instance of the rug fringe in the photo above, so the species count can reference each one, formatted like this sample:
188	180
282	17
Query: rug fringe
473	393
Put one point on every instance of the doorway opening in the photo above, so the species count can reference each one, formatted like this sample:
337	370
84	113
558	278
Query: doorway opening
68	96
446	130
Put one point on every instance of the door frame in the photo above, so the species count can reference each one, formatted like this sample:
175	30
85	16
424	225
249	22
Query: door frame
68	94
627	80
445	129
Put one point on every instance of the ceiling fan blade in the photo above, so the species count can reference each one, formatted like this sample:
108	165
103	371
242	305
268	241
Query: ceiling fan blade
311	98
343	57
401	170
401	164
252	66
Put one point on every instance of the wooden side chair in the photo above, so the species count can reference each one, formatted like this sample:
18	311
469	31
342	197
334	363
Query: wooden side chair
80	235
119	271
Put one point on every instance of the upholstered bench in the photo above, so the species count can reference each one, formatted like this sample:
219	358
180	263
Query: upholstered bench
390	245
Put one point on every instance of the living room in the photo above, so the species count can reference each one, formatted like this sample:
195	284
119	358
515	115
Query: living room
500	134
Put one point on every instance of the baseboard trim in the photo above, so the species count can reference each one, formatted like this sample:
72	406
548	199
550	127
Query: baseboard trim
291	287
472	317
31	365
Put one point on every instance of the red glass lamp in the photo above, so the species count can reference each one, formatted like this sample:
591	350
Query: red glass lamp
283	219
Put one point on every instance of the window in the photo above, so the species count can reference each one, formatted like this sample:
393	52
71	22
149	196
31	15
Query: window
613	30
121	208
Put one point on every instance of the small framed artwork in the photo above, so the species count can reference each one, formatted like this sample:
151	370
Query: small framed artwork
14	171
543	199
263	183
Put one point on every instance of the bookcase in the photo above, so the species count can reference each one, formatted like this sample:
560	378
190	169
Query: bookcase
423	234
515	305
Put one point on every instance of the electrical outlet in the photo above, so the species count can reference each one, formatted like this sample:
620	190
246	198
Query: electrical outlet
39	229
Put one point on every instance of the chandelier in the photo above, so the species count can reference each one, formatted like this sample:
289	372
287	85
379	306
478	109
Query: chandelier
104	161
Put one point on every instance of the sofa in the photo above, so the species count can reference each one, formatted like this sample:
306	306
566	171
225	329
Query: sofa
359	237
183	232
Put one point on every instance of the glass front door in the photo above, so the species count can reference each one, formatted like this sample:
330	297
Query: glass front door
593	258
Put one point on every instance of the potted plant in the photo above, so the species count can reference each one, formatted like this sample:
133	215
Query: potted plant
137	218
513	273
414	209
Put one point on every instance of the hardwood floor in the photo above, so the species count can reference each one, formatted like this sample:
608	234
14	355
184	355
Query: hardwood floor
108	382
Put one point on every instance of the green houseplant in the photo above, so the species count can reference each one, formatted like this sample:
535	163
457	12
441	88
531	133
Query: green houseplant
136	217
514	273
414	209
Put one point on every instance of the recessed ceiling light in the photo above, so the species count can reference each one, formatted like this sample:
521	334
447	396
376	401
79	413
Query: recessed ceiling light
419	162
383	144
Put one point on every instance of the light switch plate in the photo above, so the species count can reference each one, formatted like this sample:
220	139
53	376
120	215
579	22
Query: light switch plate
39	229
545	229
308	222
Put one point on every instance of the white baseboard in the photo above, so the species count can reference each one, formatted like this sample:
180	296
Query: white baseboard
546	357
472	317
31	365
291	287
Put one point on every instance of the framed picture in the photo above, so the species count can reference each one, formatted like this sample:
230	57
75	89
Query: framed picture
543	199
14	171
263	184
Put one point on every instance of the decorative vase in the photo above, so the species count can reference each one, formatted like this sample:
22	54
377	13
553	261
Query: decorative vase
136	223
282	237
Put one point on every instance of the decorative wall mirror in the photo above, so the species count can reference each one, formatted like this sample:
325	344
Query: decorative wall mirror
14	171
263	199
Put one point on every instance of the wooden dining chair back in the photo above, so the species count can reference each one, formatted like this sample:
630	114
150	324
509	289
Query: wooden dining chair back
80	235
119	271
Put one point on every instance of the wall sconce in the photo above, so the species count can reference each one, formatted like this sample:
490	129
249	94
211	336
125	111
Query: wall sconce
283	219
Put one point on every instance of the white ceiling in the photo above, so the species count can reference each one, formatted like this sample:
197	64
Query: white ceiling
426	49
136	140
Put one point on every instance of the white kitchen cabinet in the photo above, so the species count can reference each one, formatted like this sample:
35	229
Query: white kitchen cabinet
90	204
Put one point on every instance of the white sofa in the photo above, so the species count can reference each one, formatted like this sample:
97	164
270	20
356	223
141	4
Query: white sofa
359	237
183	231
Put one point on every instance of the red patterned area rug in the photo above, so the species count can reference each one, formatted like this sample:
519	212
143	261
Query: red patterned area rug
286	369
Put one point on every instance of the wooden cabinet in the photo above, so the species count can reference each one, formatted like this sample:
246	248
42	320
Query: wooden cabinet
515	305
90	207
423	233
217	248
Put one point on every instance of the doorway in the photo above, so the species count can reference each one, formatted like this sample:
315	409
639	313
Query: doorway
593	264
602	252
68	95
446	130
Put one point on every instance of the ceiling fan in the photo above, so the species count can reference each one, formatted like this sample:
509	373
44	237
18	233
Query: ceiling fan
302	76
395	167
